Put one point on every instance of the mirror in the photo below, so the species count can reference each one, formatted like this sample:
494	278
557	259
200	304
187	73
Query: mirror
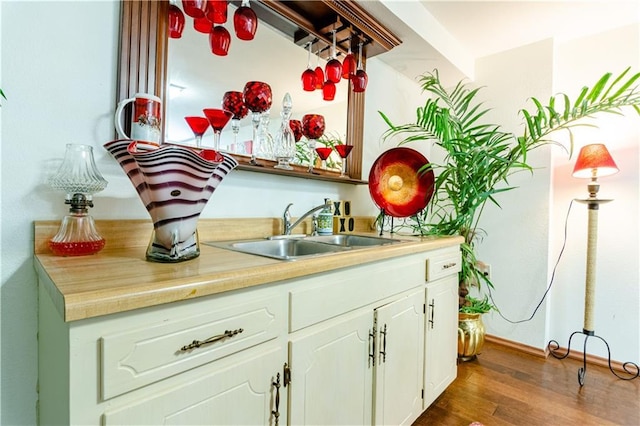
144	55
198	79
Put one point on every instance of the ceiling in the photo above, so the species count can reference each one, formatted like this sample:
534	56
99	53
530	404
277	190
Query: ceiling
450	35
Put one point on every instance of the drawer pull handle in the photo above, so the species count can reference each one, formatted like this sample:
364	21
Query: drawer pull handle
197	343
383	351
276	413
449	265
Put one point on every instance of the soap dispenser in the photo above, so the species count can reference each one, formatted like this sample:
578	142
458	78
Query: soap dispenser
325	219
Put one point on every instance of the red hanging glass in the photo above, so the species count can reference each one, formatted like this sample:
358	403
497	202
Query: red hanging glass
176	21
245	22
360	79
333	68
219	40
329	90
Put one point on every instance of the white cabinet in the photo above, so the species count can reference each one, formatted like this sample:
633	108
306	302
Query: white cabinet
331	381
237	393
399	361
441	324
213	360
357	344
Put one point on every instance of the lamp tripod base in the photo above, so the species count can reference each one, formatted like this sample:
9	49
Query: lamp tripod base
628	367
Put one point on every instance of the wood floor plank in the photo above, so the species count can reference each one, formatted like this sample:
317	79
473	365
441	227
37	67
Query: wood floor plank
504	386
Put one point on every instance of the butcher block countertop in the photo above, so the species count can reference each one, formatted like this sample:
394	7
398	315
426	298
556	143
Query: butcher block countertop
119	279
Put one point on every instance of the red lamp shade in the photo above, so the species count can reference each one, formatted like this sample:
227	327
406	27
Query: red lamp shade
594	161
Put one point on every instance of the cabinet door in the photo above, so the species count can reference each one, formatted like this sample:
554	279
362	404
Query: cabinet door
400	360
331	377
441	336
240	393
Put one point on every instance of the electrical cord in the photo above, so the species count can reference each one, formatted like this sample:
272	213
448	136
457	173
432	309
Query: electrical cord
553	274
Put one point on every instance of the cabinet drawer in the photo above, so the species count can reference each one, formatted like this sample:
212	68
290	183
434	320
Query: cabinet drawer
443	262
152	352
335	293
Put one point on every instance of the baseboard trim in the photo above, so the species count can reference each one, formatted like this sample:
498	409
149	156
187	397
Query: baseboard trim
544	353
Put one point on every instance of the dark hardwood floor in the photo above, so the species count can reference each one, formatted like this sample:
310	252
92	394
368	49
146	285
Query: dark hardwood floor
504	386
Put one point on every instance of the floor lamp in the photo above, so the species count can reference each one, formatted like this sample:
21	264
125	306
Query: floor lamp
593	161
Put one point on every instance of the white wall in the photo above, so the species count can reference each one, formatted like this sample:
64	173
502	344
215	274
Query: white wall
617	298
516	245
526	235
59	72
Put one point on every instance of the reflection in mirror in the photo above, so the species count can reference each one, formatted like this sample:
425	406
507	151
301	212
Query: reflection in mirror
197	79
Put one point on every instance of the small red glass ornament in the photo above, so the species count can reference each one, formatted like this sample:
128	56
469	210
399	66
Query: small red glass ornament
176	21
194	8
329	90
202	25
219	40
217	11
245	22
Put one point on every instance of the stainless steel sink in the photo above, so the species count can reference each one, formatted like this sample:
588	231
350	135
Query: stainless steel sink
350	240
283	249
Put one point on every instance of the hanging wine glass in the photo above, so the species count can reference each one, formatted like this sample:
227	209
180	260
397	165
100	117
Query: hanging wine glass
218	118
333	68
219	40
198	126
324	153
258	98
232	101
349	65
176	21
313	128
360	79
309	76
328	90
245	22
285	148
343	152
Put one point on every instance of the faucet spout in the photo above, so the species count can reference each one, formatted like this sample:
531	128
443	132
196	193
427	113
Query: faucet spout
288	226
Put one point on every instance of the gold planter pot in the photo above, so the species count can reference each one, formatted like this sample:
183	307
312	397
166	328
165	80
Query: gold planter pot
470	336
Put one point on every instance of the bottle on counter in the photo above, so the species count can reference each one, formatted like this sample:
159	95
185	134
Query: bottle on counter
325	219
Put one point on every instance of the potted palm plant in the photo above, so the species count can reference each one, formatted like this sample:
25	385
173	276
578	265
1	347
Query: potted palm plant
480	157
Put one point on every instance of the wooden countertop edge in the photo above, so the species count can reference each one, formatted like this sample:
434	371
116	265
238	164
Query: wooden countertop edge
79	304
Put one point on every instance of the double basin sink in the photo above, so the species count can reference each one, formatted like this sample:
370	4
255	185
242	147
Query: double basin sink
297	247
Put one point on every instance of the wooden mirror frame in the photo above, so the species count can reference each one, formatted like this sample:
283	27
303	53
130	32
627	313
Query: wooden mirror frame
144	51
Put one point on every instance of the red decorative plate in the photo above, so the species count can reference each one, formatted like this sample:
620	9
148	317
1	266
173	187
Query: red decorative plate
395	184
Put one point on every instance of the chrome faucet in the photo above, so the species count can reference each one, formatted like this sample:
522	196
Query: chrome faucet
286	218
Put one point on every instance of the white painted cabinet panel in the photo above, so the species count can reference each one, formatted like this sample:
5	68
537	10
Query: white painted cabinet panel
440	336
399	361
331	379
240	394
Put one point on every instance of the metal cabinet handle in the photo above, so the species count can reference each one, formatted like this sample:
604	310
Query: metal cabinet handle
197	343
383	352
432	305
372	347
449	265
276	412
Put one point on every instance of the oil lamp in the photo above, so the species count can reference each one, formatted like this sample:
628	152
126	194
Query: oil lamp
79	177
